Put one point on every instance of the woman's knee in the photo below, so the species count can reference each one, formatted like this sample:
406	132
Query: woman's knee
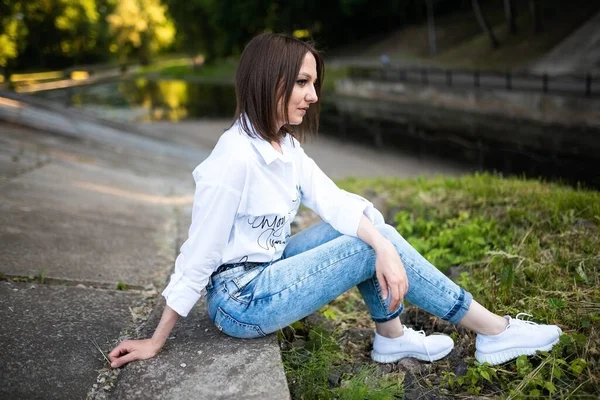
310	238
377	217
387	231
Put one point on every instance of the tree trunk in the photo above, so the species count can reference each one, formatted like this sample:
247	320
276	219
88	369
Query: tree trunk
431	28
485	26
511	16
536	15
6	75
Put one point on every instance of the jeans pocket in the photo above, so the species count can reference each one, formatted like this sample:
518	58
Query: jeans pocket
214	290
240	288
232	327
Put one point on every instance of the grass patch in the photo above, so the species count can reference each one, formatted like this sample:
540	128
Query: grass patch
332	74
224	70
31	278
519	246
317	368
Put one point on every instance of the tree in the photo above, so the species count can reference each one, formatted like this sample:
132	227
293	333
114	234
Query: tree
485	26
431	28
510	13
12	33
77	23
140	28
536	15
196	30
58	32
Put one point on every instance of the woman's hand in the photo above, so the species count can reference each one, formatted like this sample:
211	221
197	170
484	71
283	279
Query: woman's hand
391	274
133	350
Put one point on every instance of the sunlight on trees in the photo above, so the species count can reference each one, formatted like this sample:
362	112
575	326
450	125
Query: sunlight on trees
12	32
77	23
140	28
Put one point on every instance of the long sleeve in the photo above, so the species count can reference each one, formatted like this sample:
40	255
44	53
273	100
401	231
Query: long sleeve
213	215
341	209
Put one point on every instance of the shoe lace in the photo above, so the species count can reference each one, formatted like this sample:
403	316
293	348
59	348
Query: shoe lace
524	322
421	334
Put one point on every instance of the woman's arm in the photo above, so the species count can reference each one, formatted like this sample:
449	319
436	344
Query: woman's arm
132	350
389	268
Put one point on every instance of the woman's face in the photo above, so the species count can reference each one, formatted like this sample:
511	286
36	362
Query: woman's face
304	93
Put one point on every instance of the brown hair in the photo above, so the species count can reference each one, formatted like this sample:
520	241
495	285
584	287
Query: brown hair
268	71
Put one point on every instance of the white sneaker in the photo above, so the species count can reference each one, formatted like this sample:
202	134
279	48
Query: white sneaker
411	344
520	337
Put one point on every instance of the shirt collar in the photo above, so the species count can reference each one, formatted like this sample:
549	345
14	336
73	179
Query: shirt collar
265	149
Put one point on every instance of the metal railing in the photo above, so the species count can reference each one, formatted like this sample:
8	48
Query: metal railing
586	85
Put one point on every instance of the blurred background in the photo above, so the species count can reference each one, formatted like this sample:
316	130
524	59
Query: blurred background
503	85
107	106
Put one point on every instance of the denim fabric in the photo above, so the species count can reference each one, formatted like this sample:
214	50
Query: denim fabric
318	265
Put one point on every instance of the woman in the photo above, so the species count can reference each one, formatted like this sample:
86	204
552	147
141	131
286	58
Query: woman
258	279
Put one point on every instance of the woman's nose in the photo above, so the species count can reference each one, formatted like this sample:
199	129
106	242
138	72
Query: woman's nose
311	96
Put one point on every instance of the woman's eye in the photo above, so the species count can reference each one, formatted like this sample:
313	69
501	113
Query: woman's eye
301	82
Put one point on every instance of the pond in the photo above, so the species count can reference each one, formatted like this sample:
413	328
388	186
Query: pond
425	131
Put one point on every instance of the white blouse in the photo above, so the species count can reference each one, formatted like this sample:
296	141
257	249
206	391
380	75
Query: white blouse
247	195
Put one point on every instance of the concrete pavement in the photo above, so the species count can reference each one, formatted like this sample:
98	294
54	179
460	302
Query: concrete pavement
80	217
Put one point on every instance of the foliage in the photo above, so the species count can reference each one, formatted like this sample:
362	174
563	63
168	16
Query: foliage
516	245
60	33
222	28
12	31
76	24
140	27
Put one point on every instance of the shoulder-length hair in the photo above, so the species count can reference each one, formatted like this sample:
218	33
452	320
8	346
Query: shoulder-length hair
267	71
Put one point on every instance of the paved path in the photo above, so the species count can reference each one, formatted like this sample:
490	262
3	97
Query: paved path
578	53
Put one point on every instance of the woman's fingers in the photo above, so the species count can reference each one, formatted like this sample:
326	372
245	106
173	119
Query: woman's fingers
395	301
382	284
120	349
132	350
129	357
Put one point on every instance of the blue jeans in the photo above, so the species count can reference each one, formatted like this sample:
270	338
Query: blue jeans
318	265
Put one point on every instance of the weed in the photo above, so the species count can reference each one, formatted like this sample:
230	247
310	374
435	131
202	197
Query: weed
121	285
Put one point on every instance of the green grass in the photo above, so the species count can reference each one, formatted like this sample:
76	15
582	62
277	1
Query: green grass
224	70
316	365
332	74
521	246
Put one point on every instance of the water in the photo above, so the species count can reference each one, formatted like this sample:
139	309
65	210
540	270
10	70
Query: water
471	139
143	100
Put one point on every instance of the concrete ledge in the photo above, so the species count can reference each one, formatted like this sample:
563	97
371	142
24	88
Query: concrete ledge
200	362
47	334
41	114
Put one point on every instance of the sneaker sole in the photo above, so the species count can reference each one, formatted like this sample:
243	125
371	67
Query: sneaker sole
390	358
501	357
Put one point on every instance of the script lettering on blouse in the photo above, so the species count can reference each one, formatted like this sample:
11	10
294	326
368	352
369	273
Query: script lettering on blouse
273	230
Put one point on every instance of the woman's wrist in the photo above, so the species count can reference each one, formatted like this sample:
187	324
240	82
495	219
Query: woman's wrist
158	343
164	328
383	245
